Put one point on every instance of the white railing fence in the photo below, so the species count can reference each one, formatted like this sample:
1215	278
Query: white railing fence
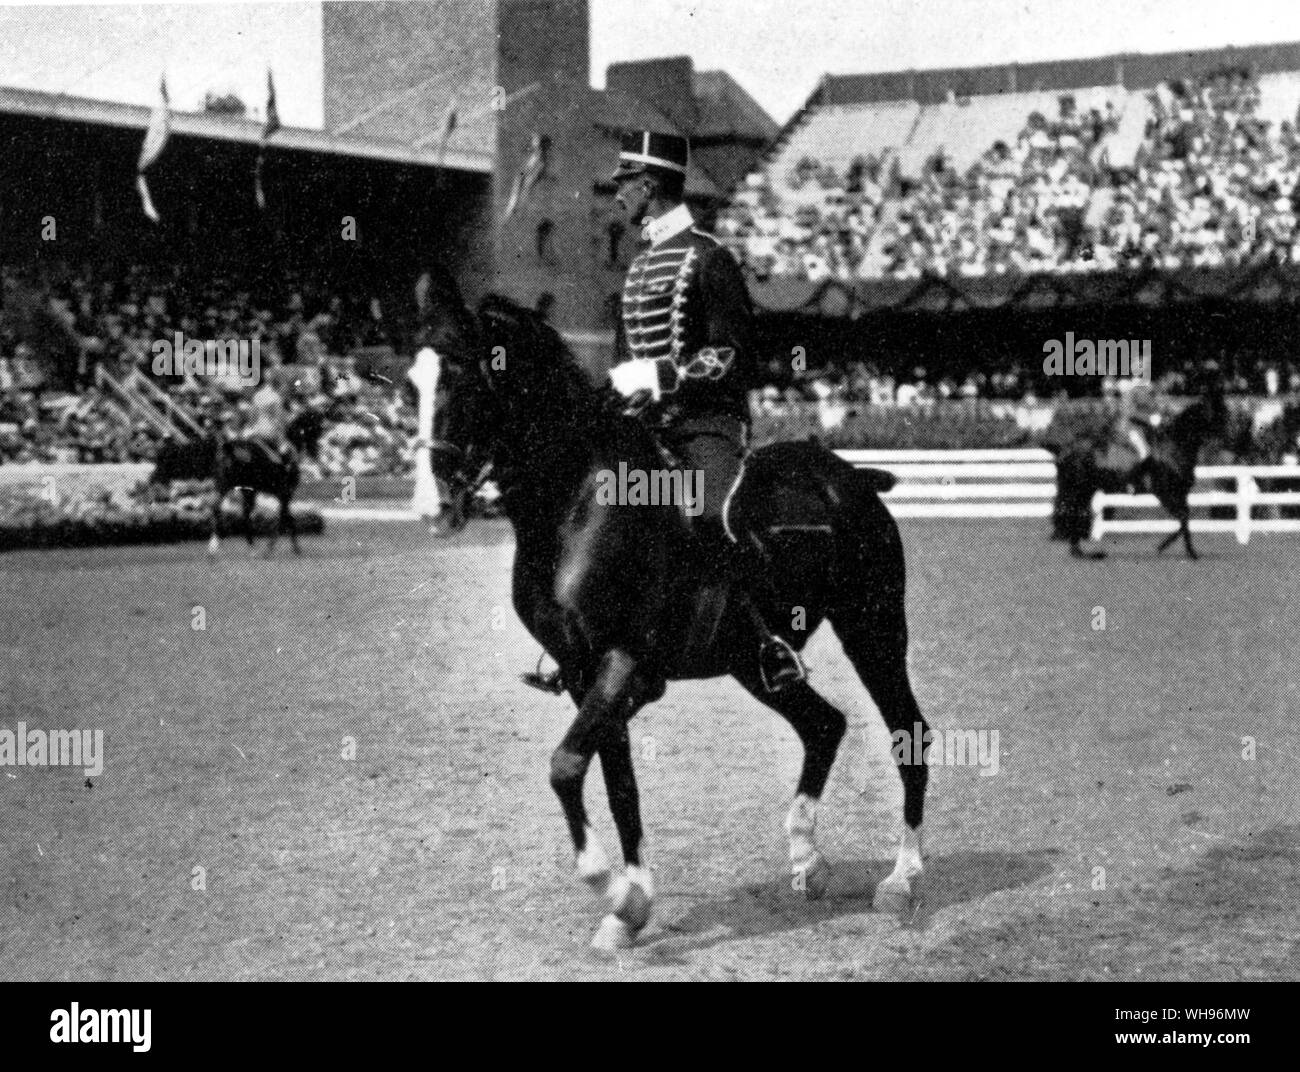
1021	482
1016	482
1244	498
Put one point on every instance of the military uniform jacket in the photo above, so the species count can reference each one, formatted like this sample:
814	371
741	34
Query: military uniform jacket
685	307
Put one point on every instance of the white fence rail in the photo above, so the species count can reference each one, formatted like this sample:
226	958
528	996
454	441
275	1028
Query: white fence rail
1016	482
1245	497
1021	482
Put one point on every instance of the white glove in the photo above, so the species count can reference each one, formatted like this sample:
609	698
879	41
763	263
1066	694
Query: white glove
634	376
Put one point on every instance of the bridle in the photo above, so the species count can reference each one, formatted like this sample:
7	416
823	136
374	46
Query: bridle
457	479
463	479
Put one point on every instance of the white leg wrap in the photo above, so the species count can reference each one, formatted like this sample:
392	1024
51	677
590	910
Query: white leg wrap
640	876
593	864
897	893
800	825
910	853
629	896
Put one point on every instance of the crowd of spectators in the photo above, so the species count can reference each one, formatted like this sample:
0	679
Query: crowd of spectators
1212	184
85	320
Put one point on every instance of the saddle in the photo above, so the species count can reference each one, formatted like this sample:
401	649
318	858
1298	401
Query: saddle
782	510
784	506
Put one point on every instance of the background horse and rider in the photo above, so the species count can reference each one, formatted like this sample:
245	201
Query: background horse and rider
620	597
250	465
1108	463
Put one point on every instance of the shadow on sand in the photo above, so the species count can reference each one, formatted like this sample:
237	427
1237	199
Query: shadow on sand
776	907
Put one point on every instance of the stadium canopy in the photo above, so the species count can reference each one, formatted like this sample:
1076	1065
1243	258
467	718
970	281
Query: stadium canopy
229	128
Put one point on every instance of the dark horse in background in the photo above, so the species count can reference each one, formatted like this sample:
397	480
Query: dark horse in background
617	595
1168	472
248	466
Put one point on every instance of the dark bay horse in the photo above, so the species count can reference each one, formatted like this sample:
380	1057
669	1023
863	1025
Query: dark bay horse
248	466
1087	467
615	592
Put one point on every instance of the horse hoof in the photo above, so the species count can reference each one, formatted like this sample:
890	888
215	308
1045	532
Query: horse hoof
894	896
613	934
813	879
635	909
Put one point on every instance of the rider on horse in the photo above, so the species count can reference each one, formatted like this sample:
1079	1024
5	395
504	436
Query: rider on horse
267	422
684	346
1136	417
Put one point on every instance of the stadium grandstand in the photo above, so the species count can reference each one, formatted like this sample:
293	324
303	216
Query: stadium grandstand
938	225
1185	159
453	132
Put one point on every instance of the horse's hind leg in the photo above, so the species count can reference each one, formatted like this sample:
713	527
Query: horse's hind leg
873	632
821	727
288	521
249	497
1183	517
601	726
214	541
281	523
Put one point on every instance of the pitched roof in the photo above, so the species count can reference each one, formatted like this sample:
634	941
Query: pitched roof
726	110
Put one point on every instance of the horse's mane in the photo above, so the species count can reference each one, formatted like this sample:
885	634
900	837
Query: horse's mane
562	397
503	321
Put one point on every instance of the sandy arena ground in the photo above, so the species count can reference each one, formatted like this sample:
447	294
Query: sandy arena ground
439	852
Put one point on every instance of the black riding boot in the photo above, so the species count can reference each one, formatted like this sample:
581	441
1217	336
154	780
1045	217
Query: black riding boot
779	664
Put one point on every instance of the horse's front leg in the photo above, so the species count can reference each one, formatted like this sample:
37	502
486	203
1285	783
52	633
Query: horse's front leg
214	541
281	523
601	726
249	497
288	521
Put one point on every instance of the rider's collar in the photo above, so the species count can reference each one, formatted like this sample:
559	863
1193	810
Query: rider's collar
673	222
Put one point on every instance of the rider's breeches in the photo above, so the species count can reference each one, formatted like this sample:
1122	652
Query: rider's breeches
712	450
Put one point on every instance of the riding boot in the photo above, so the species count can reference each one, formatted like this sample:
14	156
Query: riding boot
779	664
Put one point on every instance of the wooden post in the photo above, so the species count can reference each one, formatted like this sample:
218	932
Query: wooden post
1246	491
424	375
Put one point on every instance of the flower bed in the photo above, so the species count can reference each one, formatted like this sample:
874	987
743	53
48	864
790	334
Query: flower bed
34	516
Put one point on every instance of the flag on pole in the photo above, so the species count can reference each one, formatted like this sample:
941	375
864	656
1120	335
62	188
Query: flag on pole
271	126
155	140
530	174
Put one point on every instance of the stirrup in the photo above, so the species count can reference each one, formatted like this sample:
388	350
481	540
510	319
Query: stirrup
552	682
786	668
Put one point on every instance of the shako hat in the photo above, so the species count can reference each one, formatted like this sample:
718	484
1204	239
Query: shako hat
646	150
